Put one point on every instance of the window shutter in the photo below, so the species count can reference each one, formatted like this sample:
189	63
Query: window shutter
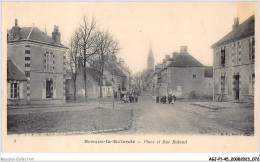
8	90
44	89
53	62
21	89
45	62
250	85
226	84
219	86
54	89
219	58
250	49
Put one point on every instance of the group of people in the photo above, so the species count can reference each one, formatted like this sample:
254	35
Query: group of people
130	97
163	99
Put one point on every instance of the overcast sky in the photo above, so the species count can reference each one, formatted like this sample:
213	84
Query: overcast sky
166	25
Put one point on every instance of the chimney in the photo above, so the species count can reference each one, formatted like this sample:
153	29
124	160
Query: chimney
174	53
56	35
236	23
167	57
184	49
15	32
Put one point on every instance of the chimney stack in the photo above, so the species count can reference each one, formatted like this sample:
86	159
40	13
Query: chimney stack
15	32
184	49
174	53
236	23
167	57
56	35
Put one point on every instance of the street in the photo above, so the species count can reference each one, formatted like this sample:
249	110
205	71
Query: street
148	118
183	118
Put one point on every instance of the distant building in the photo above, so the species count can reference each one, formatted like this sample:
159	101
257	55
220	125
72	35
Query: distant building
234	63
113	83
41	58
93	84
182	75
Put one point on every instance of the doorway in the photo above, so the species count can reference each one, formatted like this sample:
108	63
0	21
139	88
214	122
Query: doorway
49	89
236	87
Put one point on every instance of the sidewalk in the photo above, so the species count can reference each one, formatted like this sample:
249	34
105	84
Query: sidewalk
221	105
236	115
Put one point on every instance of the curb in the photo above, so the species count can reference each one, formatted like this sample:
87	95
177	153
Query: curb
128	126
208	106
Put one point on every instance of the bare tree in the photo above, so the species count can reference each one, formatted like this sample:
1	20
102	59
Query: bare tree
107	51
88	46
73	62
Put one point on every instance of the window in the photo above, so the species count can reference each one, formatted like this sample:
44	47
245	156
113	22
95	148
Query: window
194	76
251	49
49	62
222	83
223	56
15	90
239	52
27	51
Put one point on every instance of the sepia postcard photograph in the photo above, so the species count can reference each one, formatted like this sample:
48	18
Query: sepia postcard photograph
129	76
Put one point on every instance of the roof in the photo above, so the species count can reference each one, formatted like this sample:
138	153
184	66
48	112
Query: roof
208	71
114	69
94	73
247	28
184	60
35	34
13	72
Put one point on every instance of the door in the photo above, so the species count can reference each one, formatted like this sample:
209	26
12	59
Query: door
49	89
236	86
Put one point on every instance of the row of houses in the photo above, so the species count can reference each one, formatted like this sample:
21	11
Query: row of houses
232	77
36	72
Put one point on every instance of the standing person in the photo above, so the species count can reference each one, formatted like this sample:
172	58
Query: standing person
170	99
157	98
174	99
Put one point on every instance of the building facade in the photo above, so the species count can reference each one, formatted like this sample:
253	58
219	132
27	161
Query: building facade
234	63
41	58
181	75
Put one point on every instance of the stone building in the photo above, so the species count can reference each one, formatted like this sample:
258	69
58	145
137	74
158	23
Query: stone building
114	82
41	58
93	85
16	81
234	63
181	75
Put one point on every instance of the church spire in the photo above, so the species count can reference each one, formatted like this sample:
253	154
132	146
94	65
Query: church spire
150	60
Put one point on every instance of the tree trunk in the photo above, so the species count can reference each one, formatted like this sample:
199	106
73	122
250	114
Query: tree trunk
85	78
75	89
